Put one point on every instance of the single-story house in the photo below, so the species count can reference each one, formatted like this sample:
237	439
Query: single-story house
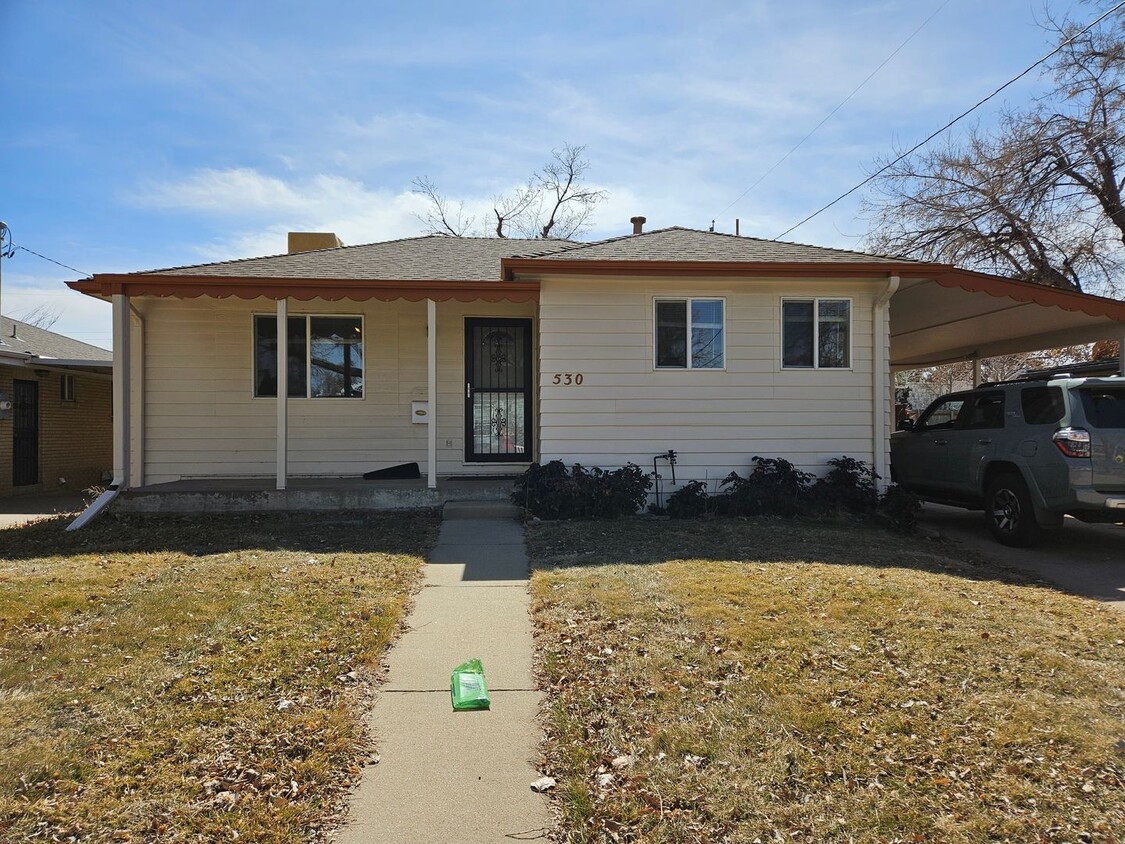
56	411
476	356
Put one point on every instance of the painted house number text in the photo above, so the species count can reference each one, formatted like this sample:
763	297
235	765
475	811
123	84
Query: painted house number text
567	379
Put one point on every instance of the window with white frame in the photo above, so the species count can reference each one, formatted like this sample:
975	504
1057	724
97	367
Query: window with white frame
816	333
324	356
689	334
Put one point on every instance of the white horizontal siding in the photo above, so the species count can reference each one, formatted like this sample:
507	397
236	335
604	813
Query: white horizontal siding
626	411
201	419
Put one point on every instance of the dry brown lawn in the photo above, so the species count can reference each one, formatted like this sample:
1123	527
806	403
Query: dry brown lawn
175	679
734	681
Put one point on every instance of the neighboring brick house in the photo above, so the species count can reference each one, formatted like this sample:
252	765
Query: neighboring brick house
56	411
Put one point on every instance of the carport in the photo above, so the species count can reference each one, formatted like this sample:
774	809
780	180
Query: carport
958	315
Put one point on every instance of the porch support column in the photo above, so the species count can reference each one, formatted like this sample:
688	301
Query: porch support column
122	375
431	393
282	391
882	386
976	371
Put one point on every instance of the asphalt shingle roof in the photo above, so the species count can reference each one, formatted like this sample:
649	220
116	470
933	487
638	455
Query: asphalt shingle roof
680	244
30	339
438	258
429	258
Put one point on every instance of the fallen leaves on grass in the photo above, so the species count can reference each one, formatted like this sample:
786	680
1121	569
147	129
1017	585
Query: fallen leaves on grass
180	679
806	684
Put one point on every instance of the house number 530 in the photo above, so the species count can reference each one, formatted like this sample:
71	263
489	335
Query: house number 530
567	379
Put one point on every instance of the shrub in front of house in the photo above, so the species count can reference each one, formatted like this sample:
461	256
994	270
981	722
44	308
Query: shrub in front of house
899	508
775	487
849	487
551	491
689	501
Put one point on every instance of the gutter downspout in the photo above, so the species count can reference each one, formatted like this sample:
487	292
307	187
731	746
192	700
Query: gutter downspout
881	389
121	413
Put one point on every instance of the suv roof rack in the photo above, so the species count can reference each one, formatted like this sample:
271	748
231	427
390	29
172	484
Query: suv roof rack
1109	367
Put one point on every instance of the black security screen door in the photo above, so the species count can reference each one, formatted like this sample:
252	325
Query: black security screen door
25	433
498	390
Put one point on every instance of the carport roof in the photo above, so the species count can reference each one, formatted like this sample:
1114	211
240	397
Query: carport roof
958	315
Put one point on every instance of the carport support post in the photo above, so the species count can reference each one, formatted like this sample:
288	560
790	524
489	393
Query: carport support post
1121	355
431	393
976	371
282	391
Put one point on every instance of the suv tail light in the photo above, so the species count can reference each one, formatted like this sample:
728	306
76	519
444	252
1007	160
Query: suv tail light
1073	442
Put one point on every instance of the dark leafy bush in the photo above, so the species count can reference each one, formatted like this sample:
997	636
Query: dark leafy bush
689	501
551	491
775	487
849	487
899	508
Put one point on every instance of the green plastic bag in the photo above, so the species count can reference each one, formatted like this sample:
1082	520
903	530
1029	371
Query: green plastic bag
467	687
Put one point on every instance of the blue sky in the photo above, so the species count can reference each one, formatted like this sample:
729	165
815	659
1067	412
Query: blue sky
151	134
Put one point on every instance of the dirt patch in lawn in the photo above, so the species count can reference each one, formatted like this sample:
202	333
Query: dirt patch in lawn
193	679
777	681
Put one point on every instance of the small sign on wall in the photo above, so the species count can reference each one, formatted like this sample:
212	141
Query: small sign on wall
420	412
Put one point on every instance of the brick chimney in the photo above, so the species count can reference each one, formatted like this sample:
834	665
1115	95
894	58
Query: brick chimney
638	224
311	241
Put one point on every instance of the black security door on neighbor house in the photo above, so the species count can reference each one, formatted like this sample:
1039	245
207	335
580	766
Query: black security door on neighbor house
25	433
498	390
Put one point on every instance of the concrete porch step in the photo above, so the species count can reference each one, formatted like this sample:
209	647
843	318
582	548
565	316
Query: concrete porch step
479	510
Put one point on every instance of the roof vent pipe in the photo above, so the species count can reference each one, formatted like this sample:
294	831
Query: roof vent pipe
638	224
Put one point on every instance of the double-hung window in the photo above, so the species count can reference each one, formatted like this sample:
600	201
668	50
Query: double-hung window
324	356
816	333
689	334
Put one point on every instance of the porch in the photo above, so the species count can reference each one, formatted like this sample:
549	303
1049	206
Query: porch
257	495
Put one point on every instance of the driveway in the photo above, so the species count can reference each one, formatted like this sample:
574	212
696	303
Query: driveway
1084	559
29	508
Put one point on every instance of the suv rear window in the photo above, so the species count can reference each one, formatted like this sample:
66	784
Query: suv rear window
1042	405
1104	406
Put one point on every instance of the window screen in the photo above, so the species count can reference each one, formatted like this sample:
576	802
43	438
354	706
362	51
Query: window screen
816	333
695	324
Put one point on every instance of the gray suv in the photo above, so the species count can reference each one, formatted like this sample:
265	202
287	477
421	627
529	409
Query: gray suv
1027	452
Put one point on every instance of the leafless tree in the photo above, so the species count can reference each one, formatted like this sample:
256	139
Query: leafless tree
927	384
1038	198
42	316
441	217
554	202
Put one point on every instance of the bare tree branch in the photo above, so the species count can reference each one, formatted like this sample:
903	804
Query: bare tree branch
42	316
441	217
554	202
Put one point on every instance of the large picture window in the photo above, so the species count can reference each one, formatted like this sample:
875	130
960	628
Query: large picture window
689	334
324	356
816	333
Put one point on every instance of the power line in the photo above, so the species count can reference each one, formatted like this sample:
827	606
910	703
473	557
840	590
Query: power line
955	120
53	261
830	114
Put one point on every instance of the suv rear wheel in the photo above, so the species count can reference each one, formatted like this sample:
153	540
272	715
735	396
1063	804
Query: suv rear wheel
1009	511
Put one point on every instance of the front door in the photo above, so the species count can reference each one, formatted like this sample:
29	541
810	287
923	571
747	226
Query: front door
25	433
498	422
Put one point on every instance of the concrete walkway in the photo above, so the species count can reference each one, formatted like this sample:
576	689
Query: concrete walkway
21	509
448	776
